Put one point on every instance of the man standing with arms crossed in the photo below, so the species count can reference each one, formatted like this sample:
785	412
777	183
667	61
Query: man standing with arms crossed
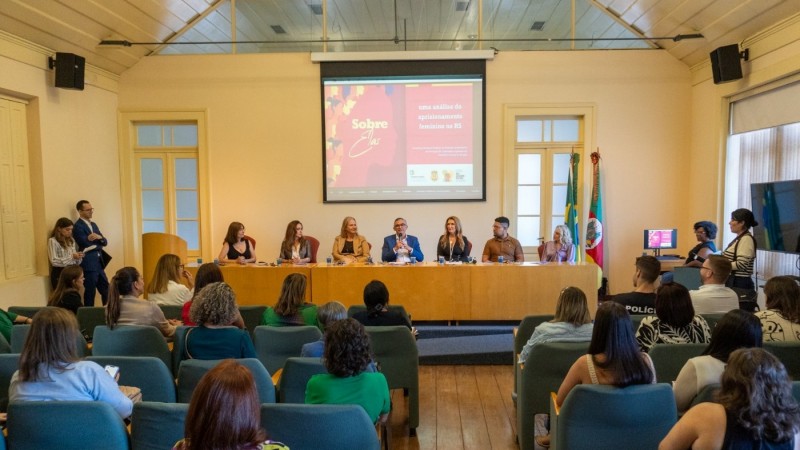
87	235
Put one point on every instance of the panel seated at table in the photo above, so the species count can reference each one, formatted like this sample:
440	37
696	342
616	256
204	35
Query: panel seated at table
460	292
259	285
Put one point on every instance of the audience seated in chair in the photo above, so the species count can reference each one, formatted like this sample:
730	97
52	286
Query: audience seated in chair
327	314
781	320
675	321
612	337
756	409
126	308
165	288
68	293
50	370
643	298
220	332
207	273
347	356
713	296
572	322
737	329
225	412
376	299
291	308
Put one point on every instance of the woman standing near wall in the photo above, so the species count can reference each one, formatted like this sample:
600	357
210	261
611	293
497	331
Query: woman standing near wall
742	250
62	250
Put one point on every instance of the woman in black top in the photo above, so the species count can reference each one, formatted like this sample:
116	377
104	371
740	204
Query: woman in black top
453	245
69	290
705	232
376	298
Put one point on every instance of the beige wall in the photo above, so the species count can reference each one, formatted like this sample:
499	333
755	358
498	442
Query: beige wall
659	128
265	142
73	150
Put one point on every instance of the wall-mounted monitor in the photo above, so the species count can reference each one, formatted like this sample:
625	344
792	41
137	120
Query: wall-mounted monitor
776	207
398	131
658	239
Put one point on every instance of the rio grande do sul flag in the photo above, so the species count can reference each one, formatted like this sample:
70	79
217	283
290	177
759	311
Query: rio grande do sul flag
594	229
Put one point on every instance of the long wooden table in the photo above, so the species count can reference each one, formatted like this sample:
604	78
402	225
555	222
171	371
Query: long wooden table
428	291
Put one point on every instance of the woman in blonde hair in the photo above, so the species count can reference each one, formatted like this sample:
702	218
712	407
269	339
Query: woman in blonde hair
291	308
166	287
561	248
572	322
350	246
453	245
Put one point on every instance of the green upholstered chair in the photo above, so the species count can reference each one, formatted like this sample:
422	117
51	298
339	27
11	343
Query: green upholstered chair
9	363
5	347
172	311
274	345
156	425
597	417
178	344
544	370
67	425
89	317
296	373
395	351
148	373
796	390
712	319
789	354
27	311
669	359
131	340
521	337
689	277
252	314
192	370
20	332
313	427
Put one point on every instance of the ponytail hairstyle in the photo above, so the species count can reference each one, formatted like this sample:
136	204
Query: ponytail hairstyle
121	284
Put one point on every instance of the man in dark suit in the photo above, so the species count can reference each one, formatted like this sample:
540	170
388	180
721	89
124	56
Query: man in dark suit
400	246
87	235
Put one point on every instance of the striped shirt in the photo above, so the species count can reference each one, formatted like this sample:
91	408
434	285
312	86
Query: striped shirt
60	256
741	252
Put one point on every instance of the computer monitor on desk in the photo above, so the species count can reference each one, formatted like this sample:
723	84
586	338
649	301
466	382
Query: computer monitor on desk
658	239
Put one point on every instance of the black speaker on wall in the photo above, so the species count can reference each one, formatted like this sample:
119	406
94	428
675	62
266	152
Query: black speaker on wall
69	70
726	64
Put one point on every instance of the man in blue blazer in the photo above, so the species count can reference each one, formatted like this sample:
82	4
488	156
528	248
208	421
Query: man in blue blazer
87	235
400	246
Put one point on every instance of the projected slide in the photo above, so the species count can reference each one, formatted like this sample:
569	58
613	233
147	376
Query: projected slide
403	139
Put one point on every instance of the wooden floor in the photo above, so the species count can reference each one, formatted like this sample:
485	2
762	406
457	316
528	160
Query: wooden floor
461	407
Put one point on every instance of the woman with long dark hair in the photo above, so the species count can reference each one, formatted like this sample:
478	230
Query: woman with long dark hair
737	329
295	248
781	320
62	249
741	252
376	299
207	273
675	321
126	308
69	291
224	412
236	247
755	409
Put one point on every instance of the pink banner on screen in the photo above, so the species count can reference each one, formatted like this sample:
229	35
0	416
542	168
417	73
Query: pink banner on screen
439	118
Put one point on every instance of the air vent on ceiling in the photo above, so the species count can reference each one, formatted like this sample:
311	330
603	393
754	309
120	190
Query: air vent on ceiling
462	6
316	8
278	29
538	25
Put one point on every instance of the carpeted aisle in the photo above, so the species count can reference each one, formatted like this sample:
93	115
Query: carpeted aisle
466	344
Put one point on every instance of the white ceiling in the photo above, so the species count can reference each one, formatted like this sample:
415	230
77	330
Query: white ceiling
78	26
